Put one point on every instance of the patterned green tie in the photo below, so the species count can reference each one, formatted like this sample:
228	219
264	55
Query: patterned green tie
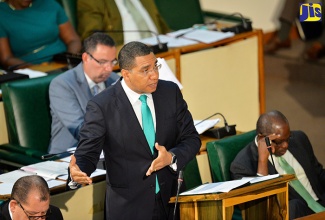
296	184
148	128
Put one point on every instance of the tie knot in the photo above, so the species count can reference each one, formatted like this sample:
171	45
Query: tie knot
143	98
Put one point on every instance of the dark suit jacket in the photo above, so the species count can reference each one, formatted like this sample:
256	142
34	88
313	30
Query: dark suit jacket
111	124
245	163
4	212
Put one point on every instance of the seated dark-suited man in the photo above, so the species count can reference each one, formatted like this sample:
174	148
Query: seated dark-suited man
120	15
292	154
30	199
147	133
70	91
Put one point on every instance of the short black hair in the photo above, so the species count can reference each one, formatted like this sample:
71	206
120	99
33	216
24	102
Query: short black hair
24	185
130	51
265	123
91	42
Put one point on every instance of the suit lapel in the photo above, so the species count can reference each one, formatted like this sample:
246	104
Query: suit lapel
82	81
129	116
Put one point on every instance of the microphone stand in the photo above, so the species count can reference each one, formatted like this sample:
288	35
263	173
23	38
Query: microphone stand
219	132
159	48
180	181
49	156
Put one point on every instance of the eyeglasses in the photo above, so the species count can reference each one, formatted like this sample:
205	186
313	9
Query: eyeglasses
154	69
103	62
48	213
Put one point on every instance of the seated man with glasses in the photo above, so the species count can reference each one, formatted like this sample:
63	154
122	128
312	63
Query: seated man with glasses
30	199
292	154
70	91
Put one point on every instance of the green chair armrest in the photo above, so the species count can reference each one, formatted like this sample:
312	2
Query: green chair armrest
16	159
29	152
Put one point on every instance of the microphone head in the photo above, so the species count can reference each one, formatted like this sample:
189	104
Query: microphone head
180	175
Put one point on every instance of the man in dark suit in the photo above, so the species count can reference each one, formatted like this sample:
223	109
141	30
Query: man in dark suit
113	122
30	199
292	146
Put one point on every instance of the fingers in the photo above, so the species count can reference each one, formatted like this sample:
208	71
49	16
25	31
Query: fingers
76	174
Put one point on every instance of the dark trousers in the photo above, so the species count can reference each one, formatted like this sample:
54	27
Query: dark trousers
159	211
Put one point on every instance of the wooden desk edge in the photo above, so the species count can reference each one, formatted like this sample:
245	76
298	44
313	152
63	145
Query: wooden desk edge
235	192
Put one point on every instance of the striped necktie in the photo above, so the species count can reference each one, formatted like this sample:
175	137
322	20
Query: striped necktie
301	190
95	89
148	128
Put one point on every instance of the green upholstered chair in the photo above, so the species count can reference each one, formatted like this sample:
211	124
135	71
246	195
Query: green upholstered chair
180	14
28	118
221	153
191	175
70	8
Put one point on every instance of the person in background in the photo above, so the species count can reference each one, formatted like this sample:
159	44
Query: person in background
147	134
292	154
33	31
119	16
30	199
281	40
70	91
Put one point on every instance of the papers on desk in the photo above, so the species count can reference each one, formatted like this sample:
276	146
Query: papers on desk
201	35
189	36
48	169
8	180
227	185
30	73
203	125
171	41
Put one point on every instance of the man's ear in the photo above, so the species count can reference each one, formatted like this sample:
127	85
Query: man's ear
125	73
13	205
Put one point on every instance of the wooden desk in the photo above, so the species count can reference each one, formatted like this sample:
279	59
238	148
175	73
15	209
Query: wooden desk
225	76
257	201
316	216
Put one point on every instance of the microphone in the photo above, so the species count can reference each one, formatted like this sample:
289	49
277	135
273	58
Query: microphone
244	26
268	144
179	183
70	59
219	133
159	48
59	155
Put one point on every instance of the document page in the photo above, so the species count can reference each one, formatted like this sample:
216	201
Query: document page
201	126
227	185
215	187
48	169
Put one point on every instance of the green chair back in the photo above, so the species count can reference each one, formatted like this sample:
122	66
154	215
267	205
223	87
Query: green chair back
222	152
180	14
27	111
191	175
